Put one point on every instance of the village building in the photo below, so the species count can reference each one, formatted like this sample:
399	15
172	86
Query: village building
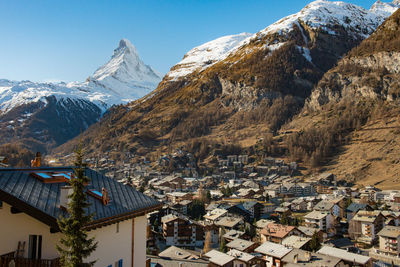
298	257
276	233
34	198
242	245
182	232
365	226
273	253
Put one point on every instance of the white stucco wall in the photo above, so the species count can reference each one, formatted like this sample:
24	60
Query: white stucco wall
18	227
140	241
112	246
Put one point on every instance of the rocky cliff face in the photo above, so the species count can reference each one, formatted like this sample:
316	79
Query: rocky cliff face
372	70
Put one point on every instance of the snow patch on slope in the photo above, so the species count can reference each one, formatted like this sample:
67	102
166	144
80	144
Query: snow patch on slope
322	14
207	54
385	9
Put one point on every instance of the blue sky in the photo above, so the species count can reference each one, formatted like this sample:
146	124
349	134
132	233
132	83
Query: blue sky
45	40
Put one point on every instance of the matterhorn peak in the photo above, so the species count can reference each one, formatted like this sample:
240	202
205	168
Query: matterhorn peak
126	74
125	44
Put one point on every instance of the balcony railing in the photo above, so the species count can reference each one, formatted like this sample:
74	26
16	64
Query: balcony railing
22	262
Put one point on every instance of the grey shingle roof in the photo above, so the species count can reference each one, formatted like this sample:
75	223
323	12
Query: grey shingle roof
41	200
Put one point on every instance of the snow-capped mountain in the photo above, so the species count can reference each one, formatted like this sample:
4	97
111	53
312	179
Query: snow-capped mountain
52	113
126	74
321	15
384	8
123	79
207	54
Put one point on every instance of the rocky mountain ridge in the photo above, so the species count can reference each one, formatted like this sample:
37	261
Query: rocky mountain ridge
253	82
43	115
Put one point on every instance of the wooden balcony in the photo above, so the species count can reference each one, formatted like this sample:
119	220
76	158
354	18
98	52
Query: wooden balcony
23	262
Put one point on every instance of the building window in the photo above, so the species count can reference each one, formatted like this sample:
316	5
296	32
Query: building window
117	230
35	247
118	263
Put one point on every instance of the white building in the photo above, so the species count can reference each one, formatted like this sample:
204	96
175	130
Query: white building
33	199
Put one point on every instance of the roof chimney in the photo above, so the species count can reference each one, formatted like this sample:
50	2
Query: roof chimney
307	256
65	191
37	161
295	258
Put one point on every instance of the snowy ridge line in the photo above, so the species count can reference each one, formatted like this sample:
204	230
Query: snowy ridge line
320	14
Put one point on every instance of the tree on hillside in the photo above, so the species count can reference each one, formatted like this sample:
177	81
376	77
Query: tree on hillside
75	244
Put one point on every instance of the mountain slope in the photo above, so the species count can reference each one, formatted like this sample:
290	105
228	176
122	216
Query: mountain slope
43	115
236	88
355	107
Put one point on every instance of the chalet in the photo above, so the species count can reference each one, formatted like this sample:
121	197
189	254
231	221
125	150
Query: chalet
319	219
181	232
34	198
365	225
353	208
219	259
242	245
214	215
176	197
276	233
243	259
179	253
298	257
254	208
389	241
298	242
273	253
232	235
349	259
229	223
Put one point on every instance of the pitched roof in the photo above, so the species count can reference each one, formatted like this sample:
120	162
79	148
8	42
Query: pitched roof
240	255
41	200
277	230
273	250
324	205
316	215
390	231
240	244
295	241
178	253
343	254
219	258
305	258
354	207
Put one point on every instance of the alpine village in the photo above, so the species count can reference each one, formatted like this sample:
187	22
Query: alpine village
279	148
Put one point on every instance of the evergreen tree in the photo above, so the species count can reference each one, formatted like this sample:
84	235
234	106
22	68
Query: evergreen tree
208	195
222	243
75	244
315	243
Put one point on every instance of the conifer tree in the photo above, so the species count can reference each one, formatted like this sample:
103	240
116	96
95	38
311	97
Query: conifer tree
75	244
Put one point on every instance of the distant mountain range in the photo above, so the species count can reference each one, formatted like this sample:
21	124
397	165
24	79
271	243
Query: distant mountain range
43	115
306	87
236	89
